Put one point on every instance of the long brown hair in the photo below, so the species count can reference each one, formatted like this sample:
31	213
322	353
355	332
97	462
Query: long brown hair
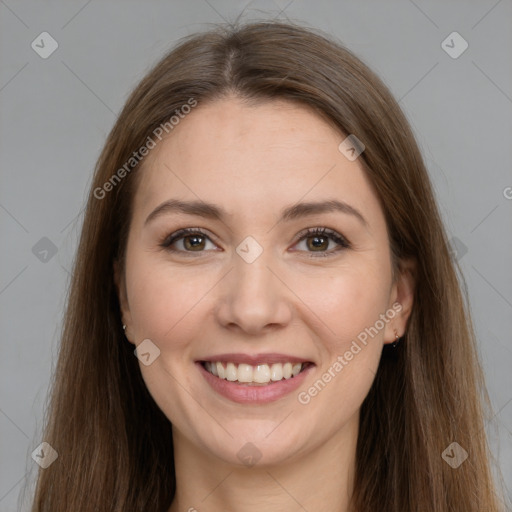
114	443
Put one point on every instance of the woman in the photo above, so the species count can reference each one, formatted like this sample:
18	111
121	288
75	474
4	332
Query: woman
261	234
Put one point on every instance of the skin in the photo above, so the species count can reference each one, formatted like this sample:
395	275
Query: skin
255	160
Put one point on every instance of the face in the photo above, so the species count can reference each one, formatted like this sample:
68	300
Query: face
259	284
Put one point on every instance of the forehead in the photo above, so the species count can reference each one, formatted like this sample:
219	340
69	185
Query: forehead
253	157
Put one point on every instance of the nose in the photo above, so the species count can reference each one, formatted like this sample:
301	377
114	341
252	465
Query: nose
253	298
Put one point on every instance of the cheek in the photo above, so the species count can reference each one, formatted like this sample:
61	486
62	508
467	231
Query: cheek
349	304
346	301
162	299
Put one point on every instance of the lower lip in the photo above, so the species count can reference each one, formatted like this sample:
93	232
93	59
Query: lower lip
245	394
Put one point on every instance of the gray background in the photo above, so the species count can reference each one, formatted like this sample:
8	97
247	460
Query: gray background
56	113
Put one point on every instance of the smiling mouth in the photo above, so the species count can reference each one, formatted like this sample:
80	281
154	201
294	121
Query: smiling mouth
254	375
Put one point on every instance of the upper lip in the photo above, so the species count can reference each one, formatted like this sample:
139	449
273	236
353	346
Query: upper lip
253	360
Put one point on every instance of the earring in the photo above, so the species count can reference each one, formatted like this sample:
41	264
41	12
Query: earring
397	339
124	327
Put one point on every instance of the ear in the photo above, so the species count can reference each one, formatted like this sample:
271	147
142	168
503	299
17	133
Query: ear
401	300
120	284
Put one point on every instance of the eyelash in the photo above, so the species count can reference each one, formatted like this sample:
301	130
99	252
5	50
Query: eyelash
342	242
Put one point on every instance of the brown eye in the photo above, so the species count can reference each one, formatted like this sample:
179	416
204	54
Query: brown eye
194	242
317	243
187	240
322	241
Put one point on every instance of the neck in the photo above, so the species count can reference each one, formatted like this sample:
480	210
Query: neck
320	480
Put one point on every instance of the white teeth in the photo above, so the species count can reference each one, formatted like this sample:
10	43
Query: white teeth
276	372
260	374
244	373
231	373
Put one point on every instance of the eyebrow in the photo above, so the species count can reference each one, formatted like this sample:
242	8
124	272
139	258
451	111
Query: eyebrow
211	211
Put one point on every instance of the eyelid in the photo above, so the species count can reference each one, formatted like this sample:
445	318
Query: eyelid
182	233
338	238
341	241
321	230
